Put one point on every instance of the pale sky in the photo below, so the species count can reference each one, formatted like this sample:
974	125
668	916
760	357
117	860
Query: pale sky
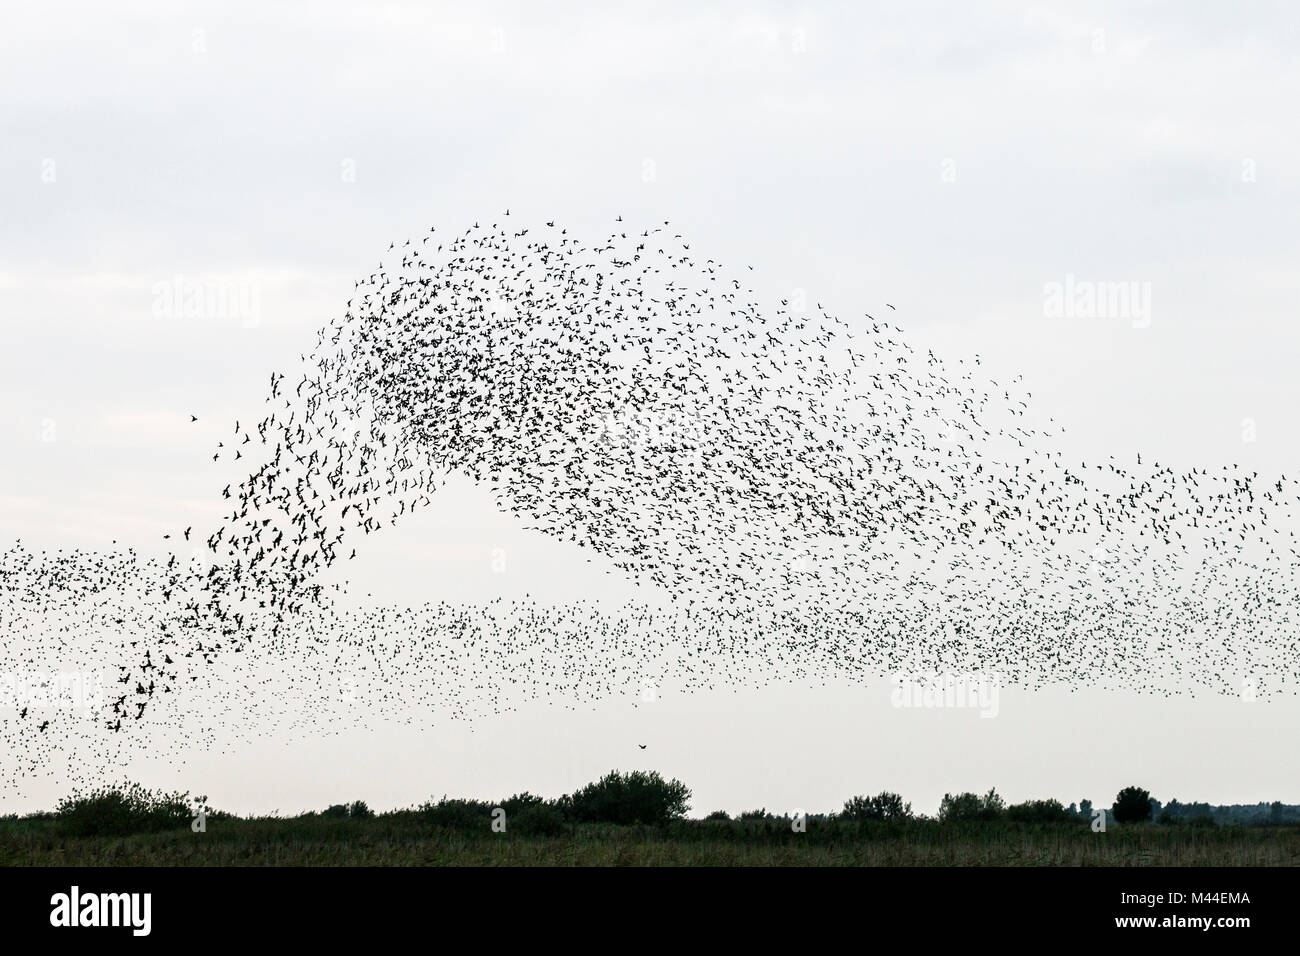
951	159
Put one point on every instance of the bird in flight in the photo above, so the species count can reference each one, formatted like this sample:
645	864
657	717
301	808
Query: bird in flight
796	488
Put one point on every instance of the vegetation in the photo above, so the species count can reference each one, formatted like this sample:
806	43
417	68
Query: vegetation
967	807
357	810
635	797
118	811
1132	805
886	807
1039	811
639	819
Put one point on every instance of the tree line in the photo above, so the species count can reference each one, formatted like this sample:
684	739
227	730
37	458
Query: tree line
646	798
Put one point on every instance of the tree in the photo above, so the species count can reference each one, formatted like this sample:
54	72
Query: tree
520	802
1132	805
884	806
122	810
1039	811
635	797
970	806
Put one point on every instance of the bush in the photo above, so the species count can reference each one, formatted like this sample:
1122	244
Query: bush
886	806
520	802
1132	805
1039	811
722	815
965	807
358	810
635	797
458	814
121	811
337	811
536	819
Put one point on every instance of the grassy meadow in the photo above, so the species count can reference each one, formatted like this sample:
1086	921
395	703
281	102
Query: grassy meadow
405	839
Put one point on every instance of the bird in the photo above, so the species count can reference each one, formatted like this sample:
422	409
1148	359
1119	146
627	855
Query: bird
791	496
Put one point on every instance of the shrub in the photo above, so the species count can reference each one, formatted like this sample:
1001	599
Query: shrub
1132	805
358	810
722	815
635	797
1039	811
458	814
536	819
884	806
970	807
520	802
335	811
123	810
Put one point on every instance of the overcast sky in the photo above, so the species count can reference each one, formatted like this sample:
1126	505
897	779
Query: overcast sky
952	159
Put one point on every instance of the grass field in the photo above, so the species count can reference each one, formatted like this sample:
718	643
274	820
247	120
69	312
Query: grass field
403	839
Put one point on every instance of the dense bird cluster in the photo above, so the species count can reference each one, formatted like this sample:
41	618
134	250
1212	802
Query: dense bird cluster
801	497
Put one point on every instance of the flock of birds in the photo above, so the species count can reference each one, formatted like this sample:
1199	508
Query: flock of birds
800	498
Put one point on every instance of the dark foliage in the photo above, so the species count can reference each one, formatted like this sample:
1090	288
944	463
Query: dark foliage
1132	805
515	805
635	797
1040	811
649	804
123	810
458	814
885	806
970	807
538	819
